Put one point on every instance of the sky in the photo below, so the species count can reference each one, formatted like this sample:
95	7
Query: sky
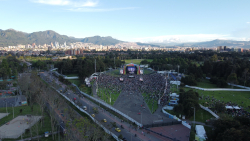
159	21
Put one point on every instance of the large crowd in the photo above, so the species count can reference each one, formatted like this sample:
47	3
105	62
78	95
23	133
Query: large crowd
152	86
211	101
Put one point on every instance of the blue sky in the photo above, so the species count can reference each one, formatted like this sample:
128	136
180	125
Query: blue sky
132	20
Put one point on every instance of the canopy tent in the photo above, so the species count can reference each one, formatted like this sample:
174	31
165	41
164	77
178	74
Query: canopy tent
200	131
236	107
174	95
229	107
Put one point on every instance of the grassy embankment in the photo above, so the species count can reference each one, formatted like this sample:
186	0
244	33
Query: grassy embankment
152	104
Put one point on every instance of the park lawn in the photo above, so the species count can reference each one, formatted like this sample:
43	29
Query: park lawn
102	95
200	115
71	75
115	73
235	97
136	61
207	84
146	71
27	110
75	81
152	104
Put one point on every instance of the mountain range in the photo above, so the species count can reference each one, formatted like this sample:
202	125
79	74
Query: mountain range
11	37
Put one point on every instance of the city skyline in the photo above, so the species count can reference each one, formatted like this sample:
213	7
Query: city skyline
140	21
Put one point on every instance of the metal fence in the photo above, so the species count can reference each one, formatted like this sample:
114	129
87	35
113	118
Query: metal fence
211	112
174	117
109	106
217	89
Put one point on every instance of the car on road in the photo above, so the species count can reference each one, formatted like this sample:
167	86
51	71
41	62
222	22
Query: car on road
93	115
104	120
85	108
117	130
124	139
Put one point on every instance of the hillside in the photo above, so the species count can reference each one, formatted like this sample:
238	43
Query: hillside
101	40
12	37
230	43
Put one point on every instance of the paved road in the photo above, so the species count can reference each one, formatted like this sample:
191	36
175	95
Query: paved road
127	132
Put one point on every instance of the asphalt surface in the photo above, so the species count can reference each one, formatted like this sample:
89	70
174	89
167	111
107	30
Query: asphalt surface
128	132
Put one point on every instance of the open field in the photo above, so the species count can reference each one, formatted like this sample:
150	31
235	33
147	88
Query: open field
207	84
152	104
200	115
115	73
105	96
70	75
136	61
27	110
226	96
146	71
75	81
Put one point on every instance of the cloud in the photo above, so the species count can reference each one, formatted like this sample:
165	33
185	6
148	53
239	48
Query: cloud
182	38
248	22
85	3
98	10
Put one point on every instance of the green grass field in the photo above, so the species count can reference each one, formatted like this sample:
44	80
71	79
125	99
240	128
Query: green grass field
146	71
207	84
200	115
105	96
136	61
75	81
27	110
152	104
70	75
226	96
115	73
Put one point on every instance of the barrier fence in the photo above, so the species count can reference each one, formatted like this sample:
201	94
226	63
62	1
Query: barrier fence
217	89
174	117
110	107
211	112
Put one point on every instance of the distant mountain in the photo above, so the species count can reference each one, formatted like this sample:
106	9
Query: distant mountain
229	43
101	40
12	37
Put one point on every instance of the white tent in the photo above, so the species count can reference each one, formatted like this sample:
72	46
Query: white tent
174	95
200	131
229	107
236	107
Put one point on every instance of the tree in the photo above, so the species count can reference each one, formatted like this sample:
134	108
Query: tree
232	78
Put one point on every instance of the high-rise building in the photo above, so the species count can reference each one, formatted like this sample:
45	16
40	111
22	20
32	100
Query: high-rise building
225	48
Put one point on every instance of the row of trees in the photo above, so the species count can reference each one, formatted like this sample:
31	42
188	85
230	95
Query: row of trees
10	66
78	127
230	129
187	101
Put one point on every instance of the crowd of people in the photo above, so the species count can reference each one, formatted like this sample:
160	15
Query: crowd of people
152	86
211	101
